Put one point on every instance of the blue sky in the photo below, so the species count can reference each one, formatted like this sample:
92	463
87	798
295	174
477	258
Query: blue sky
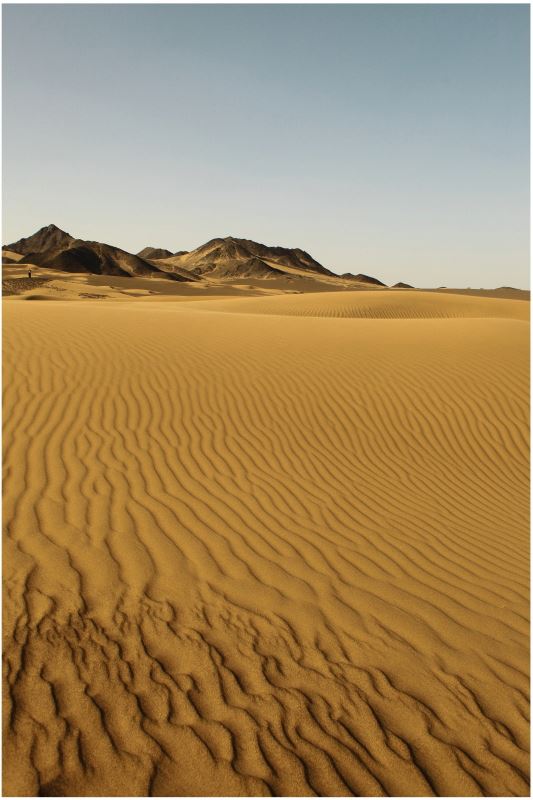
390	140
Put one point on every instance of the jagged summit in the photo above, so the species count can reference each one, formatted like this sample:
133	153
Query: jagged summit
46	238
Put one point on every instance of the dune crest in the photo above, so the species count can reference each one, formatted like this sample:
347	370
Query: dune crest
382	304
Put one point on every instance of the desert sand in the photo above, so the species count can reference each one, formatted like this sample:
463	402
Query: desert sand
271	544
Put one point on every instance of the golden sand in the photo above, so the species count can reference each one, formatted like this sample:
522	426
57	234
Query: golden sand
271	545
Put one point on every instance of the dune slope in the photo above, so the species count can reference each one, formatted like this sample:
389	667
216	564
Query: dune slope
262	553
381	304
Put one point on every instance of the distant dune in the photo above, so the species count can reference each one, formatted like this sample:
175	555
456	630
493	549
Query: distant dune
10	257
271	545
377	305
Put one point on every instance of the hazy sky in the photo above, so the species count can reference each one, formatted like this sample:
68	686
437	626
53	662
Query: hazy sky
389	140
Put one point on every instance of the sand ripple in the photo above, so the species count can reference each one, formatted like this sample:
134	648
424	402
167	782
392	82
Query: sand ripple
259	555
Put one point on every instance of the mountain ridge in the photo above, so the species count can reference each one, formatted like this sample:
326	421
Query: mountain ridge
221	258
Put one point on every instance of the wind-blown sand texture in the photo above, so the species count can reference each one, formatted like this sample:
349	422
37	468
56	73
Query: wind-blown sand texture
261	546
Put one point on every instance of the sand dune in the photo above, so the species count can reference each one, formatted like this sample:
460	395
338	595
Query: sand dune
256	548
377	305
11	256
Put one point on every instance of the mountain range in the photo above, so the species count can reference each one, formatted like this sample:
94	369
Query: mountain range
220	258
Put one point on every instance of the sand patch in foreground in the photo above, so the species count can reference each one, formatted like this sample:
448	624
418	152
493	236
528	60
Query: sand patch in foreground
261	553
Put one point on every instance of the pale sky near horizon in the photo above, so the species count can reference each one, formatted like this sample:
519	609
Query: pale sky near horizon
389	140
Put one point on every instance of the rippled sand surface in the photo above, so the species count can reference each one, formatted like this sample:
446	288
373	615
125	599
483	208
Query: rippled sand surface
266	546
